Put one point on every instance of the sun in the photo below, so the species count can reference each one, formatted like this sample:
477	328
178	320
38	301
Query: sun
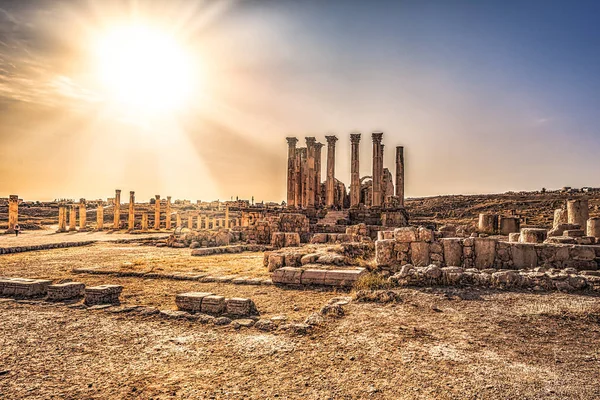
144	70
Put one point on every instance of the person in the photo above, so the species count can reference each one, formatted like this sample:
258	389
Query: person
17	229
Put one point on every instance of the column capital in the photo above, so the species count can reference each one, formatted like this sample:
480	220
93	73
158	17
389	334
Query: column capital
319	145
291	141
399	147
331	140
354	138
118	191
82	201
131	193
310	141
377	136
157	196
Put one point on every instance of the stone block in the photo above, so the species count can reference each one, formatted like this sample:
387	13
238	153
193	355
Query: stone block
419	253
213	304
523	255
65	291
319	238
313	277
485	252
574	233
406	234
452	252
384	252
287	276
424	234
582	253
276	260
514	237
103	294
23	287
532	235
509	225
190	301
240	307
292	239
342	277
383	235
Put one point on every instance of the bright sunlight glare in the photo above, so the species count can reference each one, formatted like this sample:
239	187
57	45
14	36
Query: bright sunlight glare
144	70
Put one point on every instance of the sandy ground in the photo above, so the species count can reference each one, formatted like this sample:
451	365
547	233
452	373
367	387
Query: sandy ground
446	344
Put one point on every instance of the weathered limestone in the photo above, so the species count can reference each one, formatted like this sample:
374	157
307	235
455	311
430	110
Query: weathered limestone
191	301
310	172
62	218
103	294
488	223
509	225
72	218
355	170
144	222
131	218
117	210
593	227
377	168
99	217
453	252
400	174
291	176
13	213
560	217
240	306
157	212
330	193
318	147
532	235
213	304
578	212
485	252
168	216
82	215
23	287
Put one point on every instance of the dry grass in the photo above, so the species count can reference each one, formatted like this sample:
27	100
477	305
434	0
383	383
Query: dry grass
371	281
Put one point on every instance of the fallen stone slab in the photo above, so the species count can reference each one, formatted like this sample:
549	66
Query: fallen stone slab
103	294
287	276
66	291
191	301
343	277
240	307
22	287
213	304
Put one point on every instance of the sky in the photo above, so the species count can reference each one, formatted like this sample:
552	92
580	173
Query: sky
485	96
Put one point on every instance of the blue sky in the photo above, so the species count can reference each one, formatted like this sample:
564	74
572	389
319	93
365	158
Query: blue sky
486	96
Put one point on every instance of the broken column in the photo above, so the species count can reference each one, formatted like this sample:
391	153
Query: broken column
593	227
532	235
117	210
227	217
330	189
72	218
178	220
354	170
13	213
157	211
488	223
168	214
508	225
560	217
144	221
318	147
400	174
131	219
62	218
291	175
100	217
377	170
310	172
82	215
199	222
578	212
190	223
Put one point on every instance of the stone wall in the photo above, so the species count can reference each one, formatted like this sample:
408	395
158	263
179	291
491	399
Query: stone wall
421	247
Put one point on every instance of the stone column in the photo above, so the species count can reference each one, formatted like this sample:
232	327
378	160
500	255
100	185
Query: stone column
303	173
318	195
400	174
330	192
354	170
578	212
117	210
145	221
227	217
190	224
377	171
199	222
178	220
168	214
310	172
593	227
560	217
157	212
62	218
100	217
298	179
488	223
72	218
13	213
82	215
131	219
291	175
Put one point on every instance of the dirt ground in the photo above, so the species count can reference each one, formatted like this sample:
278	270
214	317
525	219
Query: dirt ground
442	343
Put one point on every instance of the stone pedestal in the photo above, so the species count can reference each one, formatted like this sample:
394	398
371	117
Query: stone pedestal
578	212
117	210
13	213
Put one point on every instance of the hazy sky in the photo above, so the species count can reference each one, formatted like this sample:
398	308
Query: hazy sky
486	96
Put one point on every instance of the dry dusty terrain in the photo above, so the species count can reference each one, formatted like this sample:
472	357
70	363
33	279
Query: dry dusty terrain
433	344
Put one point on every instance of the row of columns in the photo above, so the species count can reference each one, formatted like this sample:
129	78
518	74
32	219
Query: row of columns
304	172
